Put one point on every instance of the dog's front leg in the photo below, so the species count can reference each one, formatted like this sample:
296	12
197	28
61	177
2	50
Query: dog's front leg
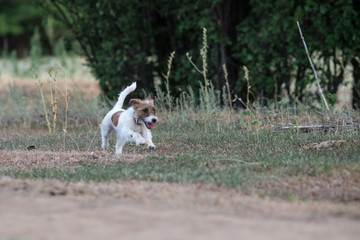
146	133
132	136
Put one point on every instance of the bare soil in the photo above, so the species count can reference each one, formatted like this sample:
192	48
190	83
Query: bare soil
142	210
89	87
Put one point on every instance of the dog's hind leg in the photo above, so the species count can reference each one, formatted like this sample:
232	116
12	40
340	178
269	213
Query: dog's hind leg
120	142
105	130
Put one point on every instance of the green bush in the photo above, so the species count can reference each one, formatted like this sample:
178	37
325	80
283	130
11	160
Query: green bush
126	41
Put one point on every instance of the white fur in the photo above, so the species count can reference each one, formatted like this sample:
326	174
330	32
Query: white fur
126	130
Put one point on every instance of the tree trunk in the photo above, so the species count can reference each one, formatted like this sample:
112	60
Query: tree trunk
20	48
227	15
5	46
356	86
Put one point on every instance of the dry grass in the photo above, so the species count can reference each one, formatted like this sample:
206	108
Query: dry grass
342	187
22	159
241	149
29	85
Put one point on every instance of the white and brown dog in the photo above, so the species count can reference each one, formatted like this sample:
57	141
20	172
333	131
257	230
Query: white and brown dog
131	125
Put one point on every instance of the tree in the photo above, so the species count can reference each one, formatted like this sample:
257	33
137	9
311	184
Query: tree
127	41
17	21
270	46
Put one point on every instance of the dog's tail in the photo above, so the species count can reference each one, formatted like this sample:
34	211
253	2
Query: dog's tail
123	94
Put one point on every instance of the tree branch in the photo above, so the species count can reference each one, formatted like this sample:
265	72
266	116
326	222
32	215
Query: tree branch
313	68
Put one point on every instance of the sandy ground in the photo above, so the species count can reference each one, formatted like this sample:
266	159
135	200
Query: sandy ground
142	210
89	87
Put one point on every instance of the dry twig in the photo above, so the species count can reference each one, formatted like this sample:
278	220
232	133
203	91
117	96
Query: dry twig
313	68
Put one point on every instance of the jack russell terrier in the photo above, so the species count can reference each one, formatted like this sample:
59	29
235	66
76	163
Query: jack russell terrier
130	125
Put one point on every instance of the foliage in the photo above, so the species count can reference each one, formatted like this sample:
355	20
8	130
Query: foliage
277	57
17	21
127	41
17	17
26	30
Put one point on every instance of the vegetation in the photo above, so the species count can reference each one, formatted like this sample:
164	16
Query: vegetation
27	31
17	20
129	40
198	141
201	137
253	156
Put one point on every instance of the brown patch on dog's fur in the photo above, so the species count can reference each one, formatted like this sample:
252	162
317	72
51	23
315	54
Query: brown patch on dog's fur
143	108
115	117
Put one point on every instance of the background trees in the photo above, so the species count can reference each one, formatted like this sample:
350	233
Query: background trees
17	19
22	22
127	41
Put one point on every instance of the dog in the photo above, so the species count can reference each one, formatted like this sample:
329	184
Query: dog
130	125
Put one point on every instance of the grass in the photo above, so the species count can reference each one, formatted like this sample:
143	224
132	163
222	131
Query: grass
266	162
199	140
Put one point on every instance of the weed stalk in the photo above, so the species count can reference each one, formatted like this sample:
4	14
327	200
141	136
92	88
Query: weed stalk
53	96
203	72
169	98
40	84
228	88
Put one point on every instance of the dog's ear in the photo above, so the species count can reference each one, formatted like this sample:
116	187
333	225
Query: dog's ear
149	99
135	102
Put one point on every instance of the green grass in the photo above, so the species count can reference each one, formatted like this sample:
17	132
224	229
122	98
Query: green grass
197	141
192	152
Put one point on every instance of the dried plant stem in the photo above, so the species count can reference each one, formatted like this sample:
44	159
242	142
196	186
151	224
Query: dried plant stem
276	94
240	100
228	88
67	100
246	70
53	96
169	99
65	132
313	68
247	104
203	53
92	140
66	96
203	72
39	83
53	104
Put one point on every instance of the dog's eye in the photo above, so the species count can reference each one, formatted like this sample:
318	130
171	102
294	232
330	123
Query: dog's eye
145	110
153	110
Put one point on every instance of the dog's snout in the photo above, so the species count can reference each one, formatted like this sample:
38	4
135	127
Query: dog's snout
153	120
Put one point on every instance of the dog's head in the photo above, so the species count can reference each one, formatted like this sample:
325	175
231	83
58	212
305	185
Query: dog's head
144	110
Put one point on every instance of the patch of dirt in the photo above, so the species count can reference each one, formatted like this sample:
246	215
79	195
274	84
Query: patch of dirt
342	187
36	158
89	87
143	210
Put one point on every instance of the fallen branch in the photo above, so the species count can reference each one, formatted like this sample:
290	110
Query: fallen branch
325	128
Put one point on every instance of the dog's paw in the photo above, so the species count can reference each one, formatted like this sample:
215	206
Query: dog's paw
151	147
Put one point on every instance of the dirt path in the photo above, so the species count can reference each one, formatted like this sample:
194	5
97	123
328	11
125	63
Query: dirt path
142	210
